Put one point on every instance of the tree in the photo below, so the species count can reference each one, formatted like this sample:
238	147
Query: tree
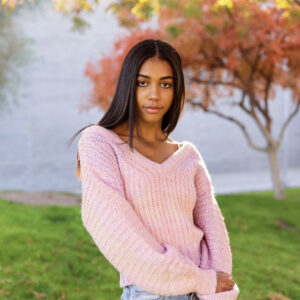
228	47
245	48
13	55
73	8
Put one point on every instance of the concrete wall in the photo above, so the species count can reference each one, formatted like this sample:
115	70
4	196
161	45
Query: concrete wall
33	135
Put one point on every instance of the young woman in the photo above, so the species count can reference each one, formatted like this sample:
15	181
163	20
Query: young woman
147	200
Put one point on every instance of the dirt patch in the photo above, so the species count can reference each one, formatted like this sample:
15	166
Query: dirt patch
42	198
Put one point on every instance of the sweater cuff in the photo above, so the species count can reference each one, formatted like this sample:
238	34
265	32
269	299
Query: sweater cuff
209	284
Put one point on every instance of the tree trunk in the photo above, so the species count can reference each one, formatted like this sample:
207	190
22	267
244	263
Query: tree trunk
278	187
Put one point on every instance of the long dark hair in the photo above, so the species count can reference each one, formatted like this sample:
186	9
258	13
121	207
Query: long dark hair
123	106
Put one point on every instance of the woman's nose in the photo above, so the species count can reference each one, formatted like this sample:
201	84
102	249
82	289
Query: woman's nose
154	92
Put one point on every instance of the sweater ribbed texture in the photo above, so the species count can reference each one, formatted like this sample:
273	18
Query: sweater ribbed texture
158	224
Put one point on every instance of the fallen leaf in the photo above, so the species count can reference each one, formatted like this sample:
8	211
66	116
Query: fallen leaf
39	295
277	296
63	296
284	226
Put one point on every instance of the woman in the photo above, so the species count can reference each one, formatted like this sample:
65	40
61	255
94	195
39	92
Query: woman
148	201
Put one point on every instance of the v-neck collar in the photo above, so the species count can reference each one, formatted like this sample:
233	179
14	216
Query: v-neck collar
138	157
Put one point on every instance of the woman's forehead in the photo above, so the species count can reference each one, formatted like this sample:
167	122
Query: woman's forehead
155	68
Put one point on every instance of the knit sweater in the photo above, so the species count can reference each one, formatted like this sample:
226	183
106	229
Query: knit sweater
158	224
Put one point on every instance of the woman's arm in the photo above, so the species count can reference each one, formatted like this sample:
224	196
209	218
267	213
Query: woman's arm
121	236
215	246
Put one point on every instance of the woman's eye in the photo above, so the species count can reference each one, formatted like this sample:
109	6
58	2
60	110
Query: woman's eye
141	83
167	84
164	85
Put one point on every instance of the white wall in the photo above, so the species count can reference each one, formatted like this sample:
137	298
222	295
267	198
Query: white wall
33	136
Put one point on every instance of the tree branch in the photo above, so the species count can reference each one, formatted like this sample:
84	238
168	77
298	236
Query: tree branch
241	125
266	110
287	122
261	109
264	130
253	67
214	82
252	114
267	90
255	103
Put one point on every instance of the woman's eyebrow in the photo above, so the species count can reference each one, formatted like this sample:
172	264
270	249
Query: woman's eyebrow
165	77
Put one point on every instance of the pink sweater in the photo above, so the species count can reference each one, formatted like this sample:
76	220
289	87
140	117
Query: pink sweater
158	224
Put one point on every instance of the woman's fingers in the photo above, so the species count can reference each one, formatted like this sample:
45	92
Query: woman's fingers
229	287
231	283
225	283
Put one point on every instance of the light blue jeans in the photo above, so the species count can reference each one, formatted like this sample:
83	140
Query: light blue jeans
133	292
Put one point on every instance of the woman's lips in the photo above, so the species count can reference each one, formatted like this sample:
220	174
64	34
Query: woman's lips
152	110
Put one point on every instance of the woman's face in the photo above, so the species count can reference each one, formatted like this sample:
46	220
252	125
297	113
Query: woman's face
155	88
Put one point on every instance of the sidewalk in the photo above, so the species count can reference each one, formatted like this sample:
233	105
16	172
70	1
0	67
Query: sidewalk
230	183
41	198
247	182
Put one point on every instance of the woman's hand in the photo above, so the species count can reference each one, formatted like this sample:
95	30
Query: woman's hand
224	283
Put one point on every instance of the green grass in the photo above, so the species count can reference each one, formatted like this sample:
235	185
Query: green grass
45	252
266	255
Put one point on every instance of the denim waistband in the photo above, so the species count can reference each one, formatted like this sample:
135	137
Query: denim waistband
133	292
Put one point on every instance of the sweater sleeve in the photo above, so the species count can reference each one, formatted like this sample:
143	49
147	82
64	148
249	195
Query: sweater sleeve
119	233
215	246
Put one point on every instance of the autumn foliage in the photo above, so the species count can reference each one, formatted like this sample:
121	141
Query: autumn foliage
242	50
247	47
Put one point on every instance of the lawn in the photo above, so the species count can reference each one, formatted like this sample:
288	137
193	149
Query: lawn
45	252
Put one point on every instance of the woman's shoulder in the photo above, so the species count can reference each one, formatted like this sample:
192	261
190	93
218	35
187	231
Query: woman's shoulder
93	130
95	135
191	145
195	150
96	147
